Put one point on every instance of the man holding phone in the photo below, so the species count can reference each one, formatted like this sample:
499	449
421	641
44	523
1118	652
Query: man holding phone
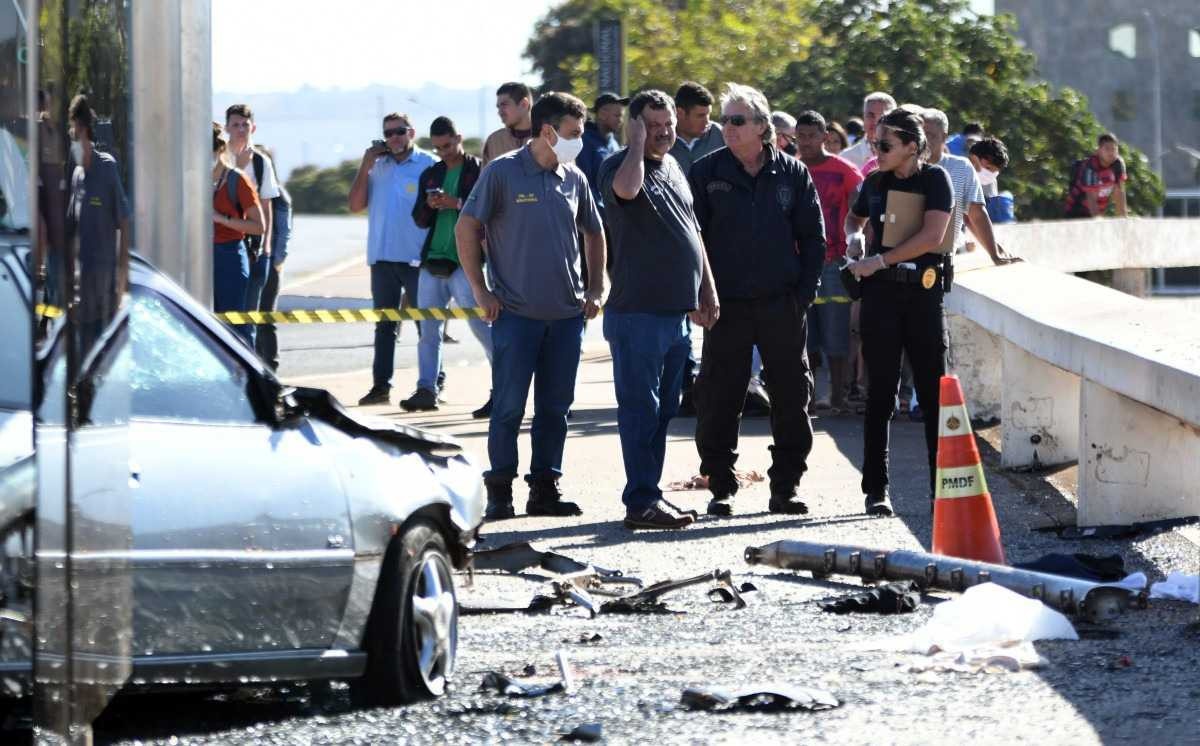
387	186
446	185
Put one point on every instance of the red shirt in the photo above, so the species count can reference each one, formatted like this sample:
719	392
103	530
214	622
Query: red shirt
836	180
247	196
1092	176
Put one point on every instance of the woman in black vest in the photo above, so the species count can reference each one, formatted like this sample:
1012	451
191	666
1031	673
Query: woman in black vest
902	283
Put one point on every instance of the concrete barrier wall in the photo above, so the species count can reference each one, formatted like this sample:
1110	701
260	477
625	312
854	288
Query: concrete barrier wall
1078	372
1089	245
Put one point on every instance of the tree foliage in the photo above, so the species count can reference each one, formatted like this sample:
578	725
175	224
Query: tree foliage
826	54
708	41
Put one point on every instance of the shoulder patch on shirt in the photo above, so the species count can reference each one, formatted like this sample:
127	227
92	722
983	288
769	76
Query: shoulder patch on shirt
718	186
525	198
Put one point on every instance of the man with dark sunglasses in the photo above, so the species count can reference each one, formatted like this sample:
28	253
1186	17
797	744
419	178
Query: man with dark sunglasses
387	186
762	228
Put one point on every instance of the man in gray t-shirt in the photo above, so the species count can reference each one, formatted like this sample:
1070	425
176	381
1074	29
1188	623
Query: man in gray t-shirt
660	274
532	204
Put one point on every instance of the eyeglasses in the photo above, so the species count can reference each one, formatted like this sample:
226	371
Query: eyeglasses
883	146
396	131
737	120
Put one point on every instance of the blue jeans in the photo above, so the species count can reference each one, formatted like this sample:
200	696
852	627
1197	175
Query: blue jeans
548	353
649	351
260	268
389	282
436	292
231	278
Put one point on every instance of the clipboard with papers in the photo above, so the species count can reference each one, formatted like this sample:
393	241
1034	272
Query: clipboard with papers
903	218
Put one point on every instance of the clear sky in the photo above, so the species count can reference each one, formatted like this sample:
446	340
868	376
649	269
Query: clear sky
281	45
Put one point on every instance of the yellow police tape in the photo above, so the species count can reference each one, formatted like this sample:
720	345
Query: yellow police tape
357	315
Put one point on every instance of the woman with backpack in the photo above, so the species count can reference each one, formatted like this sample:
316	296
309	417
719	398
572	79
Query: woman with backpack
236	214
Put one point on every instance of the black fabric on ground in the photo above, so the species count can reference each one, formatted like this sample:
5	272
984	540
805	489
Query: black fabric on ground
901	597
1082	566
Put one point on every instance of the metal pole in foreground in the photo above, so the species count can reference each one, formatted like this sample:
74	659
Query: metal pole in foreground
1093	601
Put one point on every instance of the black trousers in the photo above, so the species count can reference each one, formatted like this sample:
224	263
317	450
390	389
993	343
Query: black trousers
899	318
778	326
266	341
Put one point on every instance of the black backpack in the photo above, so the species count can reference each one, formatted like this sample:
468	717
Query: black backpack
281	206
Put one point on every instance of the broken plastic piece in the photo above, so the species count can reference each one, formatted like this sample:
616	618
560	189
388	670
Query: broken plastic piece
510	687
769	698
646	600
722	595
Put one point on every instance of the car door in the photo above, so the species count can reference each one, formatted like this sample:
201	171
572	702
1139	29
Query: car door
241	529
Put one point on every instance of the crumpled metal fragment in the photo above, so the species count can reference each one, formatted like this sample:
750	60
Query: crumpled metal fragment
767	698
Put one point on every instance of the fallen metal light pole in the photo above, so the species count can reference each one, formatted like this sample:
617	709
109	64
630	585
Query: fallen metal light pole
1093	601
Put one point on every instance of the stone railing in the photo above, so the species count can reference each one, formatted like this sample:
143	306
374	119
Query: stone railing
1078	372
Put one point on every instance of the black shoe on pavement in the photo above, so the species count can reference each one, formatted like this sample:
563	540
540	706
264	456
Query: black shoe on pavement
879	503
785	501
377	395
687	405
545	498
719	505
499	502
485	411
422	400
655	516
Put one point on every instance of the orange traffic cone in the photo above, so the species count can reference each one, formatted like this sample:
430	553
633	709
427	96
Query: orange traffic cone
964	522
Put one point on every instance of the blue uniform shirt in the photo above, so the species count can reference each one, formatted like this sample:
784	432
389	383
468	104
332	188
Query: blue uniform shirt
392	190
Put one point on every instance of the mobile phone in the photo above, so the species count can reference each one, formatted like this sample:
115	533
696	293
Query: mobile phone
379	144
435	190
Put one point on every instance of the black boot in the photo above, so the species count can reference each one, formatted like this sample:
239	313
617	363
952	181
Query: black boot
784	500
545	498
879	503
499	501
485	411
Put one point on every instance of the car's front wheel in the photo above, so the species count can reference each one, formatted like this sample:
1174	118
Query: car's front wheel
412	638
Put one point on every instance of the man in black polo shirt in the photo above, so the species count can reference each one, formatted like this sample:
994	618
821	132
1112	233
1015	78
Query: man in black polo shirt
659	275
762	228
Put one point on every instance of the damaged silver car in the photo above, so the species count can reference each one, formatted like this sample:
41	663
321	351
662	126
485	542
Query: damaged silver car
274	535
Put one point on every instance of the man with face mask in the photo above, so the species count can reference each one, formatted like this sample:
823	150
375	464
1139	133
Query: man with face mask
989	156
532	203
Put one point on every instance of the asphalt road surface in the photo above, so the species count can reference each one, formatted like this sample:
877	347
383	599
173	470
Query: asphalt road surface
1135	680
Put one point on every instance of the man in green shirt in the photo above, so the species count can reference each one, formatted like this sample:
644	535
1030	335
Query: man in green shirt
445	185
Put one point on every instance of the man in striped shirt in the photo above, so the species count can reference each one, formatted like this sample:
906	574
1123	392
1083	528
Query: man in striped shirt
969	205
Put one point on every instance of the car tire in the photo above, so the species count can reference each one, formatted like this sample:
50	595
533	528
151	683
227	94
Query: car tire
412	636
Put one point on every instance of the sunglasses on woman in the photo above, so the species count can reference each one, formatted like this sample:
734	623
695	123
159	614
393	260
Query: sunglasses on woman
883	146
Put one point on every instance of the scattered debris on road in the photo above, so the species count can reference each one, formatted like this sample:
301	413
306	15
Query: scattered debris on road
1125	531
987	615
1092	601
901	597
646	601
768	698
510	687
700	481
1011	658
586	733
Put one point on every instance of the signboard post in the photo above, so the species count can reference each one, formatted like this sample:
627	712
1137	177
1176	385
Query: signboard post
610	56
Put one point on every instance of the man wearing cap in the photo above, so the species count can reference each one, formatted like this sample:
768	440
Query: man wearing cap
600	140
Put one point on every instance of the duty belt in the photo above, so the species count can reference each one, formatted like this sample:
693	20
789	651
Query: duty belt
926	277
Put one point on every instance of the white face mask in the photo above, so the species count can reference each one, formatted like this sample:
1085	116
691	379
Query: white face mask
989	182
77	152
567	150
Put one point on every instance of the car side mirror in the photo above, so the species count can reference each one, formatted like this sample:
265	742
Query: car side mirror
288	412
